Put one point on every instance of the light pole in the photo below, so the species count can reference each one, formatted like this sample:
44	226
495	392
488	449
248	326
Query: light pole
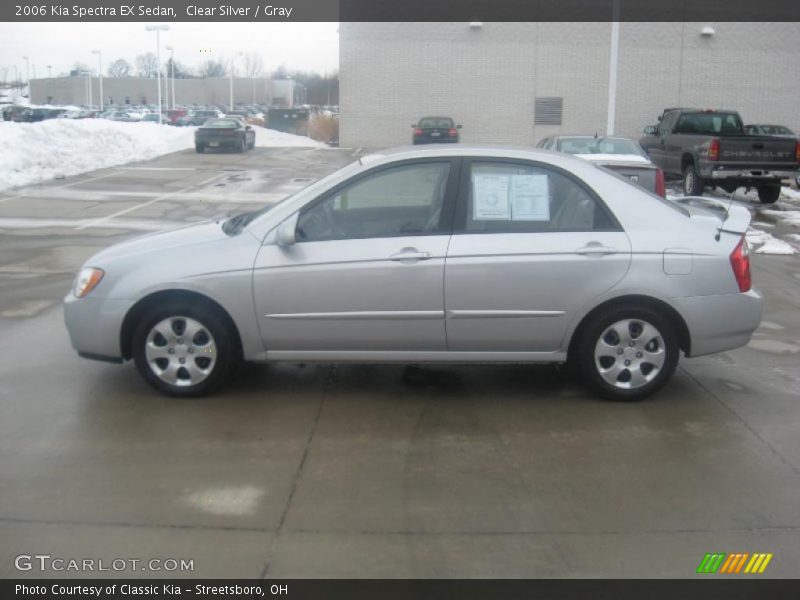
172	68
49	71
27	68
158	29
100	71
233	62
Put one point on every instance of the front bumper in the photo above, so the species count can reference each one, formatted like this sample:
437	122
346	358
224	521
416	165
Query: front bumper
95	325
723	322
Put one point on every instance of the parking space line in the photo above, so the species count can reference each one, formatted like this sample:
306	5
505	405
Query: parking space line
149	202
61	187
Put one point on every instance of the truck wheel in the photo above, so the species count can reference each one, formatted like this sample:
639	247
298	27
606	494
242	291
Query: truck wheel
692	182
199	148
768	194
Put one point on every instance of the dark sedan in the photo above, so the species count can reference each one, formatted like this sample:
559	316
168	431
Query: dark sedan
435	130
225	133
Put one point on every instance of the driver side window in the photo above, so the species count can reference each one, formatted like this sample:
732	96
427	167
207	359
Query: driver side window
398	201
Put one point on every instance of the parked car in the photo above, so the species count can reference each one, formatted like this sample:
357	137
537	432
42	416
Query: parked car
153	118
619	154
124	117
710	148
247	116
10	111
198	117
779	130
225	133
34	115
175	114
549	259
432	130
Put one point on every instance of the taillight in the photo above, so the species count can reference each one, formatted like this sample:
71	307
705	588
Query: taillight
661	185
453	131
740	261
417	131
713	149
797	152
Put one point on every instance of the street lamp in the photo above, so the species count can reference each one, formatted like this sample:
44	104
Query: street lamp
100	71
27	68
233	60
158	29
172	68
49	71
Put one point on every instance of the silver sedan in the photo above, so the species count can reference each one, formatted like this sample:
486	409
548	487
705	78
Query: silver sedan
461	254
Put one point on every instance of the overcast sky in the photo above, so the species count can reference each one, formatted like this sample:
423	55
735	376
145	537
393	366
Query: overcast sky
305	46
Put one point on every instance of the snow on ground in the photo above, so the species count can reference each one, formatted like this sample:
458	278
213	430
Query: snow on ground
35	152
787	217
790	193
765	243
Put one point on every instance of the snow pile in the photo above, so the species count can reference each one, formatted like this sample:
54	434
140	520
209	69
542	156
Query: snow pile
790	193
35	152
269	138
767	244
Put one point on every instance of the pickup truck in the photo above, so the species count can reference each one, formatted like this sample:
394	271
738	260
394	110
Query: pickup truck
710	148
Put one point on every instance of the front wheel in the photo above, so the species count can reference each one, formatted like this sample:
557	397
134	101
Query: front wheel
769	194
243	145
183	350
692	182
628	353
199	148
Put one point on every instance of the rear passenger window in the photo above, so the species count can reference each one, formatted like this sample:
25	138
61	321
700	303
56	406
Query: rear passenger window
519	198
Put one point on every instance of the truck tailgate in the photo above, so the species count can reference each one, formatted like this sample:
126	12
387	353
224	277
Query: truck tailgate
758	150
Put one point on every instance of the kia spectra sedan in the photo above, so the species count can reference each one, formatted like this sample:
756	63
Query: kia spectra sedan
459	254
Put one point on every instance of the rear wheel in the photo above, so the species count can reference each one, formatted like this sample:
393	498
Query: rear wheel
199	147
627	353
183	350
768	194
243	145
692	182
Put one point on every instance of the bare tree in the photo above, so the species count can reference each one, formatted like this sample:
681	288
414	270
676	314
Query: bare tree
213	68
253	64
81	67
147	64
119	68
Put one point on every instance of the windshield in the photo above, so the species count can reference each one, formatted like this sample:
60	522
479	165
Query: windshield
590	145
436	122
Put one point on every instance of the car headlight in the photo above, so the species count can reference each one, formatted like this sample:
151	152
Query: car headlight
86	281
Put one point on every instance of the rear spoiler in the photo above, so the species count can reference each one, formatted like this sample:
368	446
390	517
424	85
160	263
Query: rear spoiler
733	218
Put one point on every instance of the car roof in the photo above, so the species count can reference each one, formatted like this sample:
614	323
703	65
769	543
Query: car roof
398	153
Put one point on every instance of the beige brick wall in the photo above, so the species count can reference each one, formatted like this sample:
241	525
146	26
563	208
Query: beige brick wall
487	79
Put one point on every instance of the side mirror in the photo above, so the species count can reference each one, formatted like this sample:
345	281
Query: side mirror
247	127
285	236
458	126
650	130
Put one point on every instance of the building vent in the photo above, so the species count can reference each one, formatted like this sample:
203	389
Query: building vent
548	110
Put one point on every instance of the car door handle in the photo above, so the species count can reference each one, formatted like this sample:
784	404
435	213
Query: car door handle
410	254
595	249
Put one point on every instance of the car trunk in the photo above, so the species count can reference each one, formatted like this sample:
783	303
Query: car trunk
641	174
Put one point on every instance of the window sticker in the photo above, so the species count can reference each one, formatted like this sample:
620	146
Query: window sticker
530	198
490	197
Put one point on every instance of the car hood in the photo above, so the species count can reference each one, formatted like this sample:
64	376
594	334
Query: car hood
189	235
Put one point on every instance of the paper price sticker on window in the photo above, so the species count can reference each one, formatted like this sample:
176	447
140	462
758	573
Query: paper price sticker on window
490	197
530	198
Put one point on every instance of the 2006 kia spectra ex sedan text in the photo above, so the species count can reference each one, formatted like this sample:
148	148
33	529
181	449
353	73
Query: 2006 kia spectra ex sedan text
463	254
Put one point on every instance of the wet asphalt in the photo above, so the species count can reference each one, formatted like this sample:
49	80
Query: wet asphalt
368	471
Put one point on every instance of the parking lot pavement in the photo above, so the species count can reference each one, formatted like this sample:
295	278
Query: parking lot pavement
370	471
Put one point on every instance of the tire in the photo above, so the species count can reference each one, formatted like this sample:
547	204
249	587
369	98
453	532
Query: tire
252	144
768	194
159	344
692	182
243	145
617	370
199	148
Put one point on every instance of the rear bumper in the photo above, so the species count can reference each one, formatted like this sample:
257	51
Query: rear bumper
95	325
442	140
719	323
219	143
755	174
